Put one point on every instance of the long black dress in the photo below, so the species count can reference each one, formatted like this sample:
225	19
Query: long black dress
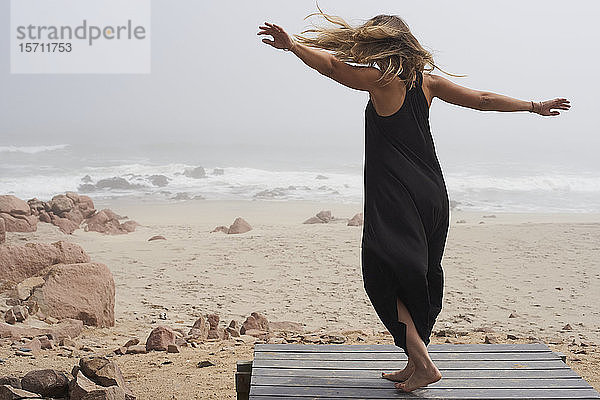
405	216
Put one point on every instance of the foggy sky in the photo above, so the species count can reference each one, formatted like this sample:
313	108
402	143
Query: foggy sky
214	82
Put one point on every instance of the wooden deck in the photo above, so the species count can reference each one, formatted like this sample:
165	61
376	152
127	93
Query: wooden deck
470	371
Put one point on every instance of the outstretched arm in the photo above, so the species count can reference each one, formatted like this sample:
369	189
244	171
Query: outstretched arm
360	78
488	101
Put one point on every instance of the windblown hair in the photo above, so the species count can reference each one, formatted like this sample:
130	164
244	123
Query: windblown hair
384	41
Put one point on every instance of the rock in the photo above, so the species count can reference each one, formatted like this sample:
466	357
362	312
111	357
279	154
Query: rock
314	220
81	386
195	173
65	328
19	223
2	231
232	332
106	221
172	348
239	226
84	291
157	237
74	215
44	217
10	204
357	220
46	382
205	363
200	329
34	346
132	342
24	288
257	333
64	225
129	226
218	171
218	333
489	339
108	393
160	338
10	317
158	180
11	381
461	221
221	228
511	337
324	216
102	371
213	320
11	393
20	262
513	315
46	343
286	326
68	342
61	203
567	327
255	321
136	349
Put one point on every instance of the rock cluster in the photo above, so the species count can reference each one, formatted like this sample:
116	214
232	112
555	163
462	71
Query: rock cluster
240	225
94	378
66	211
325	216
357	220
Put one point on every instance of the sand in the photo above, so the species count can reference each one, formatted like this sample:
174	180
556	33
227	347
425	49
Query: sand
542	268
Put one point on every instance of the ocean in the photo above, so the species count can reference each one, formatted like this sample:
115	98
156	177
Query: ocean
186	171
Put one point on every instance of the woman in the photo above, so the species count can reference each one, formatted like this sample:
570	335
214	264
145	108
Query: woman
406	211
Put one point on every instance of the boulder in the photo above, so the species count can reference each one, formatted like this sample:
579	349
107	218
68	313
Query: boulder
81	386
10	204
83	291
106	221
314	220
46	382
61	203
218	333
2	231
65	225
357	220
213	320
195	173
20	262
239	226
19	223
11	381
324	216
102	371
160	338
75	215
255	321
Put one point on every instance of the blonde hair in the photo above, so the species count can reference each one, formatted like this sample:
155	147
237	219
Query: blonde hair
384	40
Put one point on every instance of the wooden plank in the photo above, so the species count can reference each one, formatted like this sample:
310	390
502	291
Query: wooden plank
381	356
387	348
426	393
395	365
444	383
457	374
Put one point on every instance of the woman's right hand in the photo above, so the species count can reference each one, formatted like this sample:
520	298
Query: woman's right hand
544	107
281	40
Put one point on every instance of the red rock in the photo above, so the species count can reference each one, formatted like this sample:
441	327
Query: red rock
81	386
357	220
218	333
34	345
11	381
2	231
106	221
220	228
61	203
46	382
65	225
84	291
24	288
10	317
10	204
20	313
46	343
132	342
129	226
102	371
157	237
20	262
200	329
74	215
255	321
232	332
65	328
19	223
85	205
160	338
239	226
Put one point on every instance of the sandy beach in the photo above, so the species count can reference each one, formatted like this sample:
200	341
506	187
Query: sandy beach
541	268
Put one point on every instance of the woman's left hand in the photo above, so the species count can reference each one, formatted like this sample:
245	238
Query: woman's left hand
281	40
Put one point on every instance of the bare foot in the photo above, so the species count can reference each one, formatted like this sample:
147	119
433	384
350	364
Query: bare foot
421	377
402	375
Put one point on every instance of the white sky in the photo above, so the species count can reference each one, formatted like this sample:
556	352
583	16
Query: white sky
214	82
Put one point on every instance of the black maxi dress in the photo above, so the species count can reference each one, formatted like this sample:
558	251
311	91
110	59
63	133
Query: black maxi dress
406	216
